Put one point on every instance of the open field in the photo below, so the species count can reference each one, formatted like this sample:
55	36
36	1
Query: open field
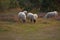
43	29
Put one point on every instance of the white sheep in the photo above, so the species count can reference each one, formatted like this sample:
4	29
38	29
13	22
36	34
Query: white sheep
22	16
32	17
50	14
35	16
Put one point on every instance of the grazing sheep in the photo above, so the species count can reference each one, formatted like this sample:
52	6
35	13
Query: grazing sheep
29	16
35	17
51	14
22	16
32	17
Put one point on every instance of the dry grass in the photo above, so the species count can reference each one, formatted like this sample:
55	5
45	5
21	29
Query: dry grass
43	29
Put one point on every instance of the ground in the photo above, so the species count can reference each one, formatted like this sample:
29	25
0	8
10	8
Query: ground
43	29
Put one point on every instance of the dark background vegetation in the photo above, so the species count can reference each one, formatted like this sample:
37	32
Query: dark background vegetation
36	5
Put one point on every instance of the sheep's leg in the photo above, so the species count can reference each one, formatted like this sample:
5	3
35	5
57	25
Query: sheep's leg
31	20
34	21
24	21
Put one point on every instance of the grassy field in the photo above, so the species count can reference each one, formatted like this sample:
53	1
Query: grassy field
43	29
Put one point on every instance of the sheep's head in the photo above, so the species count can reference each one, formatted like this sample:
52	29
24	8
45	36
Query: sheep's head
25	12
55	11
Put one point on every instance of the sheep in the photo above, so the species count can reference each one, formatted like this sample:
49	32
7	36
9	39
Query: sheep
35	16
51	14
29	16
32	17
22	16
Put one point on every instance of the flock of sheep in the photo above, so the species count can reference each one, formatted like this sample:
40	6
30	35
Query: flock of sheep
24	15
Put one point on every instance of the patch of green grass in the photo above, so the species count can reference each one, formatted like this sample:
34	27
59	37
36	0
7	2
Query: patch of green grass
3	30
